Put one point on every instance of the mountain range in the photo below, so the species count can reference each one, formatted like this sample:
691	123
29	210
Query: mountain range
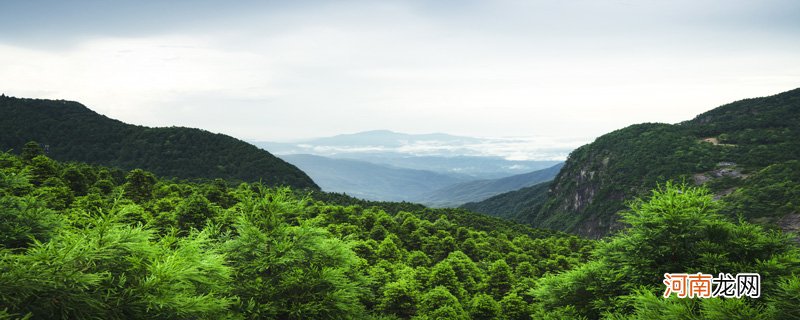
746	152
368	180
464	157
435	169
83	241
383	182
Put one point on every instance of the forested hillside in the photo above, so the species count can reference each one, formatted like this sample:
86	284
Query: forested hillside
720	148
473	191
79	241
71	132
516	205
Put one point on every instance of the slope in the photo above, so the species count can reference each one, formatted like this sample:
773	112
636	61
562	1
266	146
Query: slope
472	191
91	249
719	148
70	131
515	205
368	180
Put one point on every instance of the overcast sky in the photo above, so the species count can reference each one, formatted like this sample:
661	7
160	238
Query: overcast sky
285	70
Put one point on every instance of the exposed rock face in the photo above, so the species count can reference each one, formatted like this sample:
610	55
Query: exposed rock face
583	185
791	223
724	169
626	164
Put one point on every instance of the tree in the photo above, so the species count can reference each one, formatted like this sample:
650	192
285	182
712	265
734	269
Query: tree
291	272
500	279
467	273
42	168
112	271
388	250
31	150
24	220
400	298
439	303
676	230
193	212
443	276
75	180
484	307
514	308
139	185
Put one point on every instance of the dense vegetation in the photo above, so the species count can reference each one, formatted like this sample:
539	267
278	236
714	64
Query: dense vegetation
80	241
718	148
72	132
768	195
677	230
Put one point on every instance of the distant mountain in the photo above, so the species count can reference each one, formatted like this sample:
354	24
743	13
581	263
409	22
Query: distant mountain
742	151
477	158
474	167
375	140
368	180
387	138
71	132
473	191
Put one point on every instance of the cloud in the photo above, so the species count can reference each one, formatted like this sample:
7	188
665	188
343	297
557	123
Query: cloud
518	148
132	78
272	71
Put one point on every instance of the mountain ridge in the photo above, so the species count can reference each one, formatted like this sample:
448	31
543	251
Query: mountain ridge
597	178
71	131
369	180
478	190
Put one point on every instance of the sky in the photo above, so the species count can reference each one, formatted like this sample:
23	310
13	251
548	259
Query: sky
289	70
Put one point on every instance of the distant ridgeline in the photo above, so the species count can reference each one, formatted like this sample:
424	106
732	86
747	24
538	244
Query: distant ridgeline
746	152
70	131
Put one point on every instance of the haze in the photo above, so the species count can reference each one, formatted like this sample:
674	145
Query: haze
286	71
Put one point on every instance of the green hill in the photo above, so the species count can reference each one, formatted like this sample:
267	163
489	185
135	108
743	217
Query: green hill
473	191
515	205
720	148
70	131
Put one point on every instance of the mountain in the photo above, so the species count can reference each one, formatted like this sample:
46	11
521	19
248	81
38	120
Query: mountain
368	180
367	140
473	167
518	205
387	138
472	191
70	131
478	158
723	149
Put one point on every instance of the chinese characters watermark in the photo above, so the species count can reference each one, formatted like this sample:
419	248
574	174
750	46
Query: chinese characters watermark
702	285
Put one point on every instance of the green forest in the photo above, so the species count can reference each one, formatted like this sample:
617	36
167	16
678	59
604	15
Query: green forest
400	160
80	241
69	131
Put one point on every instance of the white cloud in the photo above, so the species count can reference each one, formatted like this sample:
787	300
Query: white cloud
134	78
507	68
